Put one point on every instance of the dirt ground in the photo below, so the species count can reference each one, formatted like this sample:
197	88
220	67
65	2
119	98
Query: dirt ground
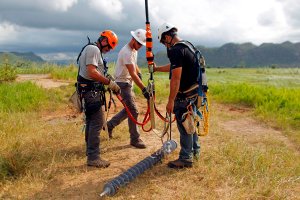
43	80
89	182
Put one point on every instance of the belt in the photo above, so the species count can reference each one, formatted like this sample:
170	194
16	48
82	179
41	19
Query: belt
189	93
89	86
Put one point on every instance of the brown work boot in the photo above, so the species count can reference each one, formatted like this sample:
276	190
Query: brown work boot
178	164
98	163
138	144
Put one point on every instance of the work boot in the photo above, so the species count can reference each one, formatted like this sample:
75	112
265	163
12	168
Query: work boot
98	163
179	164
138	144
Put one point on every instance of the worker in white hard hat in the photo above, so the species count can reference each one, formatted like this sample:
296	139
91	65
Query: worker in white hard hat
127	72
183	75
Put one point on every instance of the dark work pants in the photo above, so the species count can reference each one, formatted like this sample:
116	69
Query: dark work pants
94	123
128	97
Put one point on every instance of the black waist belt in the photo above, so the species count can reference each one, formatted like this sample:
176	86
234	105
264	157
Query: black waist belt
83	86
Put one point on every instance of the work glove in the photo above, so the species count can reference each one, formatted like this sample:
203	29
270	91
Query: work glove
146	93
140	76
114	87
110	77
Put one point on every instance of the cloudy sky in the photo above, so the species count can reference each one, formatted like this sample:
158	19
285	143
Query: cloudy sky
60	27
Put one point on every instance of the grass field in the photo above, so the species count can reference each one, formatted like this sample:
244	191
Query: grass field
42	144
272	93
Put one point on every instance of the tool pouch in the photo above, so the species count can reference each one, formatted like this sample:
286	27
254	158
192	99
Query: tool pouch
76	101
188	122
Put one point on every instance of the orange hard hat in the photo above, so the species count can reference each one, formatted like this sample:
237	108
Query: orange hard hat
111	37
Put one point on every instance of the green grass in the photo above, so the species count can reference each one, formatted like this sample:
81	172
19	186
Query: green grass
26	141
68	72
287	78
272	93
281	104
37	68
65	73
20	97
161	82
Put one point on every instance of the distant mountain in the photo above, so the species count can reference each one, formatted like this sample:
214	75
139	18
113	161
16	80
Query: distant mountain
286	54
16	57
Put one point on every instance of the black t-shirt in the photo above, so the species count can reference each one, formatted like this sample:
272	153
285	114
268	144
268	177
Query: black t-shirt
181	56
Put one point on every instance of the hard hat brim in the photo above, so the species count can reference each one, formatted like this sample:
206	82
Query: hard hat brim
137	39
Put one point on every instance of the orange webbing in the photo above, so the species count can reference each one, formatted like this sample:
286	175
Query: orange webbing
149	44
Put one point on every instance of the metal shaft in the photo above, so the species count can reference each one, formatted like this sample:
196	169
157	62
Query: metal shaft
146	9
112	186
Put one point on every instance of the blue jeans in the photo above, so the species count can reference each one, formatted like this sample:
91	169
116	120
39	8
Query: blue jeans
188	142
129	100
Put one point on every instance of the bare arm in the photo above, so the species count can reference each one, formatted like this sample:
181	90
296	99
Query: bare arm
96	75
164	68
174	88
137	70
133	73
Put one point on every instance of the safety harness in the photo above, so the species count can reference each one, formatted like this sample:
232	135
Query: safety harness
197	115
84	85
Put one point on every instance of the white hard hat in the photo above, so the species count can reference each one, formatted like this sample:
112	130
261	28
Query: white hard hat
164	28
139	35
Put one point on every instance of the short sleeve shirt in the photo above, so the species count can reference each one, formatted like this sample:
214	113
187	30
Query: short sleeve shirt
126	56
91	55
181	56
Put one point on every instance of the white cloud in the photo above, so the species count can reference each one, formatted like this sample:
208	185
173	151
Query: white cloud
111	8
55	5
65	23
60	5
8	33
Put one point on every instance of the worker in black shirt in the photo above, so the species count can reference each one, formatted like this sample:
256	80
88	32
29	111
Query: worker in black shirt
183	92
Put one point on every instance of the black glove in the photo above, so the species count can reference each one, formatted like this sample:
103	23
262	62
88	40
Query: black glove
140	75
146	93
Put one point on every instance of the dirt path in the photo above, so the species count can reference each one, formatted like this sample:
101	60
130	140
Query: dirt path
43	80
243	125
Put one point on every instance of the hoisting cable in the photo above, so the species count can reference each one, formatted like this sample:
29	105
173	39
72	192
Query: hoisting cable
130	115
150	58
151	109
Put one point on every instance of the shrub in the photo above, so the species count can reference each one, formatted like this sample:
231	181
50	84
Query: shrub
7	73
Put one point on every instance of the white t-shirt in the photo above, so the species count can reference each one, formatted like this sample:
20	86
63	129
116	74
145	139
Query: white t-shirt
125	56
91	55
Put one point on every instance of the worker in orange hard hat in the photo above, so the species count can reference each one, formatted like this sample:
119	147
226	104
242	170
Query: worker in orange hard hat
90	87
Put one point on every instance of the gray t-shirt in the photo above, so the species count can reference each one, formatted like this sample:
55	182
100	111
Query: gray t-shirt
91	55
